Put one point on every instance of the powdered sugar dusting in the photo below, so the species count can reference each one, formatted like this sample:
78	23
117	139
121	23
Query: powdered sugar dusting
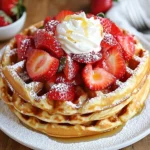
87	57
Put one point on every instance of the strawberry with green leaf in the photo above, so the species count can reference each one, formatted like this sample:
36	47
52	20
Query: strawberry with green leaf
4	19
12	7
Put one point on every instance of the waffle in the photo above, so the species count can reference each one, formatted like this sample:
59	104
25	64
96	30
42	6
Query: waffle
92	113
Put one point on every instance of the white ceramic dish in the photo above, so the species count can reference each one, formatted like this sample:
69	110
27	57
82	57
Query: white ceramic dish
135	129
11	30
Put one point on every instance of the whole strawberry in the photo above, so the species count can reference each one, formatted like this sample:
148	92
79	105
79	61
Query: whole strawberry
4	19
98	6
12	7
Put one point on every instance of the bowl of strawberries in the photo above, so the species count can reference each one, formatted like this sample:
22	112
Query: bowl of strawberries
12	18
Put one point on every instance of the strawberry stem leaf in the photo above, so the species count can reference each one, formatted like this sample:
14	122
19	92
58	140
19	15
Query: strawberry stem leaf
61	64
101	15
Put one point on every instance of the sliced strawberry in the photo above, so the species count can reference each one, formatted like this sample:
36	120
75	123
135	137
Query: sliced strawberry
50	82
61	16
41	66
108	42
110	27
46	41
19	38
62	92
128	45
47	19
51	25
87	57
61	78
25	46
71	68
97	78
113	62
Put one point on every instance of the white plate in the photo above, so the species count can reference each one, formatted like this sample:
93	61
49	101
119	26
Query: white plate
135	129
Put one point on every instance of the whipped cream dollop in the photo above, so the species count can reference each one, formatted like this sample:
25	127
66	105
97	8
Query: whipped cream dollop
79	34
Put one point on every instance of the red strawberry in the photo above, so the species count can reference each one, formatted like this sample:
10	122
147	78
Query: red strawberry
50	82
113	62
108	42
8	5
25	47
13	8
98	6
46	41
128	45
48	18
71	68
41	66
3	22
19	38
62	92
4	19
97	78
51	26
60	16
87	57
110	27
61	78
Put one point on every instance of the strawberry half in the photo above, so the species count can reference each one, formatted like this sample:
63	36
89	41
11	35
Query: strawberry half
61	78
108	42
41	66
62	92
60	16
46	41
97	78
47	19
51	25
25	46
19	38
113	62
128	45
87	57
110	27
71	68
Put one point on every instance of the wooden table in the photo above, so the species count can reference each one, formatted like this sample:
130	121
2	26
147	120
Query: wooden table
36	11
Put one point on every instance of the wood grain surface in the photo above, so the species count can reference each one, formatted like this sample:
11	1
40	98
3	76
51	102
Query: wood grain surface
37	10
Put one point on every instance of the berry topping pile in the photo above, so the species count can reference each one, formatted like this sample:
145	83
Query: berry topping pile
47	62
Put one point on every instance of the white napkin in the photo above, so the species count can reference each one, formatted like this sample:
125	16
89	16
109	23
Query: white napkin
134	16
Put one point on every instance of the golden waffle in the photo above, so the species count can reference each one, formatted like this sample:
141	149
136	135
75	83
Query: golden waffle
92	113
95	127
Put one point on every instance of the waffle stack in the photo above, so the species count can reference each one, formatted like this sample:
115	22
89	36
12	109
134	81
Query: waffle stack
92	113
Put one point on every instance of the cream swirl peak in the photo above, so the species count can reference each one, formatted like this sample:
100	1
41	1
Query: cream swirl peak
79	34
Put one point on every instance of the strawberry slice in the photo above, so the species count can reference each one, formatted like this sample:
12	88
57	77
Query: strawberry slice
61	16
87	57
110	27
51	25
62	92
41	66
128	45
25	47
47	19
113	62
61	78
108	42
46	41
71	68
19	38
97	78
